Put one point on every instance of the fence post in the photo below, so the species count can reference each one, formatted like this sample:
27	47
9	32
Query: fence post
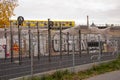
49	39
11	41
6	42
32	61
99	48
73	44
60	41
117	47
80	43
68	43
29	31
38	40
87	45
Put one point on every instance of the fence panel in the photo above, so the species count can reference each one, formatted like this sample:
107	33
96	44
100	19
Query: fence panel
75	50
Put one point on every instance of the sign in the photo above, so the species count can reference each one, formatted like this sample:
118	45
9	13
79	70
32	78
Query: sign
93	44
20	20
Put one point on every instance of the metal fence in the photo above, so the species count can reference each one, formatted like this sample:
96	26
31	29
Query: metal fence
27	51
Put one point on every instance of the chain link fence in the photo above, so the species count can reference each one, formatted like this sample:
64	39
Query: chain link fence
29	51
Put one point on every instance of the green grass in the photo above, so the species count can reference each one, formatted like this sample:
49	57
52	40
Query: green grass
95	70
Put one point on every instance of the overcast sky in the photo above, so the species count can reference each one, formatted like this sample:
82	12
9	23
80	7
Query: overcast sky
99	11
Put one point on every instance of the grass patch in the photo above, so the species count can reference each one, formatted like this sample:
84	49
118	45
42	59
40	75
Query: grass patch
95	70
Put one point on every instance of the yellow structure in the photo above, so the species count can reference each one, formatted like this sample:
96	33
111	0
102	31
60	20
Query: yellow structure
43	23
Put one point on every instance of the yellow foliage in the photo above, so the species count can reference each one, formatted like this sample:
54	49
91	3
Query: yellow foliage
6	11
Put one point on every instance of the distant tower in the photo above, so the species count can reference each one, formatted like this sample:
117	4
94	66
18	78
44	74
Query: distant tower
87	21
93	24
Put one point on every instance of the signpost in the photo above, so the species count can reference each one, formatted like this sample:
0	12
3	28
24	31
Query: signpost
20	20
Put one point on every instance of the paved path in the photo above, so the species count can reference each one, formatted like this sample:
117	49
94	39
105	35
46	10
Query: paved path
115	75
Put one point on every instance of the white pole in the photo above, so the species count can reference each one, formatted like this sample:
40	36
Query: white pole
73	43
32	61
117	48
99	48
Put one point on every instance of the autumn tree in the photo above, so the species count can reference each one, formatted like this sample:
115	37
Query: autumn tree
6	11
